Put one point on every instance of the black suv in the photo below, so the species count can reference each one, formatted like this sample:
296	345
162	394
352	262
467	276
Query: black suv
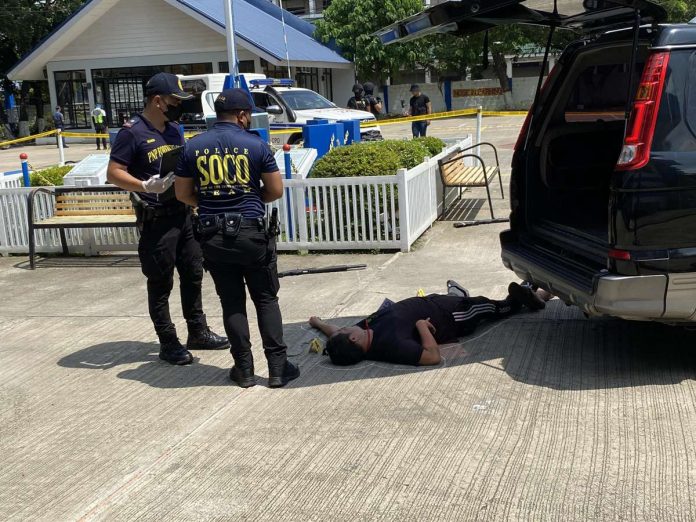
603	206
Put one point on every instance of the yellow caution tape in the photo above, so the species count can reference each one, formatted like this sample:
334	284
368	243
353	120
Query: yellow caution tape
366	124
28	138
83	135
440	116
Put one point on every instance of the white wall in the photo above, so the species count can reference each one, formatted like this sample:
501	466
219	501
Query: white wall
523	90
401	92
343	81
141	28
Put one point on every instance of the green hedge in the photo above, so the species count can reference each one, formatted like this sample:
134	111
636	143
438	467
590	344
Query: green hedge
375	158
360	159
434	145
49	177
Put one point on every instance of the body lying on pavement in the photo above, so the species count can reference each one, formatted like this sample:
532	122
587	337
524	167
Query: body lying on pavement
411	331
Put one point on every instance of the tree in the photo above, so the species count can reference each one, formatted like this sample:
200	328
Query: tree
23	24
350	24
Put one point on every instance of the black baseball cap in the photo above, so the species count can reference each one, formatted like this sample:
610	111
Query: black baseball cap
231	100
414	87
166	84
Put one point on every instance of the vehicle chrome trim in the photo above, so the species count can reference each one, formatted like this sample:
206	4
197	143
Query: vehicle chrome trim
672	47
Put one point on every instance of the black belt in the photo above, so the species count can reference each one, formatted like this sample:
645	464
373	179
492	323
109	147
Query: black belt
257	222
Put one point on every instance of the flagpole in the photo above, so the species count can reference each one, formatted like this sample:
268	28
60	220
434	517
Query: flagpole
231	80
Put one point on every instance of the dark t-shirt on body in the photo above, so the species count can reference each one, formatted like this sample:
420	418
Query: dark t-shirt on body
140	146
418	105
395	337
226	163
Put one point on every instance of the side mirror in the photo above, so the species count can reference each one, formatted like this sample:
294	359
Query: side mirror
274	109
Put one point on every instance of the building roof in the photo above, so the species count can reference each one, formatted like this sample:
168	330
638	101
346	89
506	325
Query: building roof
258	24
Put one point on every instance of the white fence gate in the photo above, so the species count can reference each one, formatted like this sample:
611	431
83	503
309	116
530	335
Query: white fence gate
360	213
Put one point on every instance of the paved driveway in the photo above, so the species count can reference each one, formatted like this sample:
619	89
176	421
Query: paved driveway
545	416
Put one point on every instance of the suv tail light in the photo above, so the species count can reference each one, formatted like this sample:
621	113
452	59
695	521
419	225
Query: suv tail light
525	126
641	124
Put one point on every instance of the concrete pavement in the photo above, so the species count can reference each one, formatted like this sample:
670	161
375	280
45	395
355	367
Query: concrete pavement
545	416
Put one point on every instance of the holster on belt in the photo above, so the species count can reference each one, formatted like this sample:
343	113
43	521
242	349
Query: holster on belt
205	228
273	228
230	225
142	210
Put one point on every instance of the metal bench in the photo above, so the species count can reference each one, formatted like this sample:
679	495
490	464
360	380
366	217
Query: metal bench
455	174
80	207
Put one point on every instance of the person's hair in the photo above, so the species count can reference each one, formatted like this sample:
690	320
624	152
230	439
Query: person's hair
342	351
227	114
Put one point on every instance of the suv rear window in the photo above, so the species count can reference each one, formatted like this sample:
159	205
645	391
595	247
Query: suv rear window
600	93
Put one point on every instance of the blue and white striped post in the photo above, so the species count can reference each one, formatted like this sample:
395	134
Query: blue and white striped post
25	168
288	199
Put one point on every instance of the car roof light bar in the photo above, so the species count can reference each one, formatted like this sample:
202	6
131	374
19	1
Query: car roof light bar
275	82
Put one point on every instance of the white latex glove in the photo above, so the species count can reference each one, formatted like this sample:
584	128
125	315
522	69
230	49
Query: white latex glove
157	185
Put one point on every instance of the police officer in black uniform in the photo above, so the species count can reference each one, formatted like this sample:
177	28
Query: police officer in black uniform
166	239
221	172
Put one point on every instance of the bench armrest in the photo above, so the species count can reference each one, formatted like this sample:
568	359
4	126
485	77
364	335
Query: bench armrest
30	201
460	157
485	143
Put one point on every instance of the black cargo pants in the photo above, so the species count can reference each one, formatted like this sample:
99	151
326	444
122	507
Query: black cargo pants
249	259
166	243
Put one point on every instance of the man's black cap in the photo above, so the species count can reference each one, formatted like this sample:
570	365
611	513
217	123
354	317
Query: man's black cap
231	100
414	87
166	84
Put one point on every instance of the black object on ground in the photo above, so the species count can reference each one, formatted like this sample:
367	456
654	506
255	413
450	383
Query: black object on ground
462	224
321	270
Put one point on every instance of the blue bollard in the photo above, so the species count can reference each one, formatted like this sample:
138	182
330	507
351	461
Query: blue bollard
288	199
25	169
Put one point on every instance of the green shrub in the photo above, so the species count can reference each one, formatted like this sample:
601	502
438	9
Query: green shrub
410	153
49	177
434	145
359	159
375	158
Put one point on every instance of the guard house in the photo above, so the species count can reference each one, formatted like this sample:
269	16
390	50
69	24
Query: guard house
105	52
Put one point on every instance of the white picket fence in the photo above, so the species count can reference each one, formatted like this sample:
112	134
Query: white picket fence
360	213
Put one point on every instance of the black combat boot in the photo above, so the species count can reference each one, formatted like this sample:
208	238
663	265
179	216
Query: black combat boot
174	352
206	339
282	372
243	370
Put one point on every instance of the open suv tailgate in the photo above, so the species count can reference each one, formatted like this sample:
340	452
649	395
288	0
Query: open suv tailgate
465	17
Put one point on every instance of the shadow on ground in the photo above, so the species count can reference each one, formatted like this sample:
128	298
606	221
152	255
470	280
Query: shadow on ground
557	348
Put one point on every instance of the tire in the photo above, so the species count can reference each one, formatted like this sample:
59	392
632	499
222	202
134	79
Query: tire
296	139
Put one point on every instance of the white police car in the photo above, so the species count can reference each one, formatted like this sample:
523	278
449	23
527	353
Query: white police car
286	105
289	105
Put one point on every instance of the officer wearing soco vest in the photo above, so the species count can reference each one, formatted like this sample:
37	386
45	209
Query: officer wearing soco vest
166	239
221	172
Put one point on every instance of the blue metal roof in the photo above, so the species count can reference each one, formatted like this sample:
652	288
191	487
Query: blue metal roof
258	22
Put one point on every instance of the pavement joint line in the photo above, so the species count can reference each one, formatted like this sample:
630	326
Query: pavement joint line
130	483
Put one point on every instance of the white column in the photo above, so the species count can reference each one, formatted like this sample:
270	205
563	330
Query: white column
52	88
508	67
312	7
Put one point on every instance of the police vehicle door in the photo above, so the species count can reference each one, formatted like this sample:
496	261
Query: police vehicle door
264	100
